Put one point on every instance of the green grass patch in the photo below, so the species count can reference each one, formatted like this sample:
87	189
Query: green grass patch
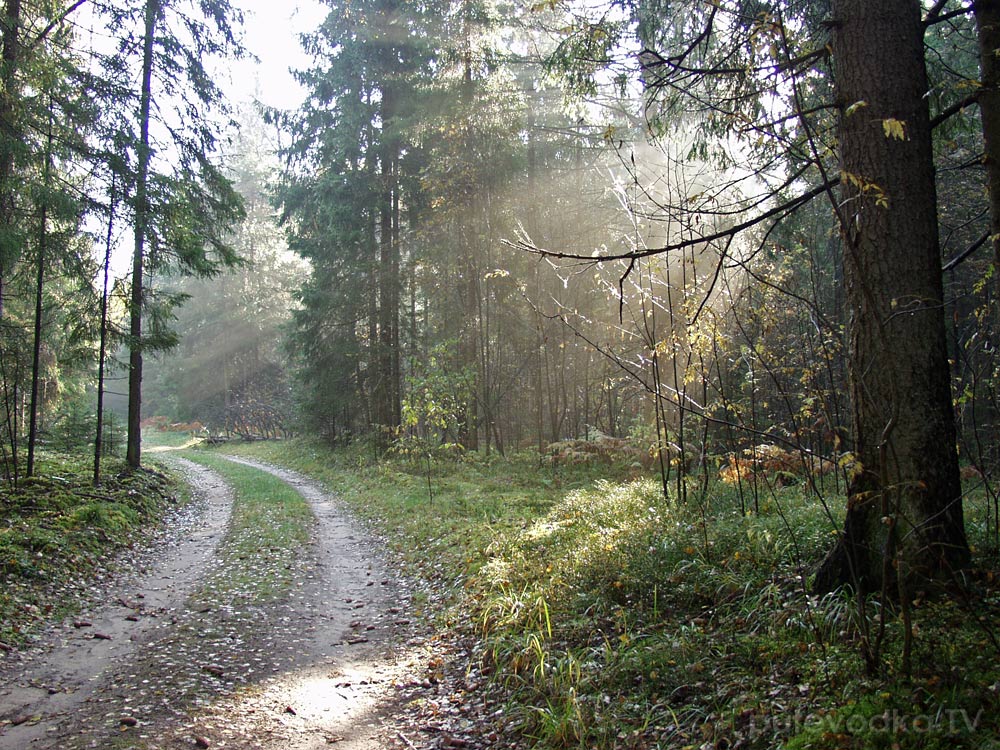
439	518
609	616
57	532
269	525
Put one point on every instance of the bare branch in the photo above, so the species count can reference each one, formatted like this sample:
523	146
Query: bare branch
960	258
954	109
724	234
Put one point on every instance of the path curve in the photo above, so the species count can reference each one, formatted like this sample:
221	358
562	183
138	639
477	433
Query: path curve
319	666
342	687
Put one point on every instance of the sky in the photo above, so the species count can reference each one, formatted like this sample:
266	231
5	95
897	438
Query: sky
271	30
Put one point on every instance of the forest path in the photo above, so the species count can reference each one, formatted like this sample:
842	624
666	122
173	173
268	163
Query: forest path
165	662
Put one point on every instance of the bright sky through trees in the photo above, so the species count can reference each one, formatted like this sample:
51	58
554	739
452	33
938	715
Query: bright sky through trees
272	35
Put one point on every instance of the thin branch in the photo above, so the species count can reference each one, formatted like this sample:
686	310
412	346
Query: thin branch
958	259
942	18
43	34
723	234
934	12
954	109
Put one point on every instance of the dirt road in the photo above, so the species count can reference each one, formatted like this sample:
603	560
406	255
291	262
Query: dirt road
160	662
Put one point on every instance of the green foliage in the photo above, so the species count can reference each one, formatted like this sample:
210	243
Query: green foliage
57	531
437	396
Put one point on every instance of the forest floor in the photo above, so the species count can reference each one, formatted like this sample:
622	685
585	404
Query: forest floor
440	601
182	652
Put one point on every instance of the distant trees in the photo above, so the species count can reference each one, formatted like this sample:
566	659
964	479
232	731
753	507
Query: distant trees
413	160
78	143
229	370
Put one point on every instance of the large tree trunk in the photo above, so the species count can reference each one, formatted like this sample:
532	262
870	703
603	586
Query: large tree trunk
904	514
134	439
988	25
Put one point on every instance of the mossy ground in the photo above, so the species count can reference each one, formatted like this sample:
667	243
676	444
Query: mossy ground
58	531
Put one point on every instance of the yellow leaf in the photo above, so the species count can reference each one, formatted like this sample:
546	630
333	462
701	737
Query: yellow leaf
894	128
855	107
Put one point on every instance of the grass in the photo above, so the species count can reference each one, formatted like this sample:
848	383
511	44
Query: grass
57	532
269	525
441	534
608	616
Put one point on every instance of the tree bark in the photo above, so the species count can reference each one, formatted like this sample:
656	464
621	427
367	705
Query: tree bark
133	453
904	514
987	14
10	60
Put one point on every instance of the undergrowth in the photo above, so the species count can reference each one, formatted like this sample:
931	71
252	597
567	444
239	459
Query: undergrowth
57	531
610	617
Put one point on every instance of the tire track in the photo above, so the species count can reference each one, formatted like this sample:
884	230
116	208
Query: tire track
42	691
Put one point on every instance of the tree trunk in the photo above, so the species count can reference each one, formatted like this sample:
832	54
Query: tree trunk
10	56
134	439
387	393
103	347
987	14
904	513
36	356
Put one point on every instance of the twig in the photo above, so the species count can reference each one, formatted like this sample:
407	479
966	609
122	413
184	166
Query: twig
406	741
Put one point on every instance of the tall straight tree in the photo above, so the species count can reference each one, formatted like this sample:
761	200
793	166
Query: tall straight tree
987	14
904	517
40	261
390	28
183	205
133	450
10	57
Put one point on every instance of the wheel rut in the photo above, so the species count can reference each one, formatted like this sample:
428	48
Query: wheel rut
162	662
